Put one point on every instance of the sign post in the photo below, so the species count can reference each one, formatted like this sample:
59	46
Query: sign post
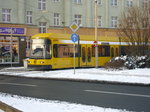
74	37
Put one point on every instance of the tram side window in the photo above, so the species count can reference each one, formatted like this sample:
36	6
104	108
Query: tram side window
103	51
83	54
64	50
55	51
117	52
123	50
112	52
93	51
89	54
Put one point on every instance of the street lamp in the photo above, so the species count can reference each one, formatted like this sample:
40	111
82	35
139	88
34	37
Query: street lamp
96	37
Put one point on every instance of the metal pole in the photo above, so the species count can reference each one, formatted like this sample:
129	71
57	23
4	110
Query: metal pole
74	58
119	46
11	45
78	51
96	37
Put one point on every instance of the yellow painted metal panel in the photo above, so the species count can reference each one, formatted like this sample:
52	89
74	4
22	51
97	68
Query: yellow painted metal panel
67	37
68	62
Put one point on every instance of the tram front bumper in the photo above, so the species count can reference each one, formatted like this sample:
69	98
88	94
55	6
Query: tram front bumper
39	67
38	64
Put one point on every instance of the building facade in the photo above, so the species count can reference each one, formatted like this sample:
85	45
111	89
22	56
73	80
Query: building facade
20	19
61	13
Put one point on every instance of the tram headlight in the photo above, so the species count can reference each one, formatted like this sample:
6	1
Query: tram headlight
42	62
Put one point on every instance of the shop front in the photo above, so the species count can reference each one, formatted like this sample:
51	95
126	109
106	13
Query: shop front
12	46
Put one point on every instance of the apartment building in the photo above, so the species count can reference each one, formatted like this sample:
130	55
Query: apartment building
20	19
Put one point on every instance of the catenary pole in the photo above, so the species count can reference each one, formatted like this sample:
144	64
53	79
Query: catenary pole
11	45
96	36
74	46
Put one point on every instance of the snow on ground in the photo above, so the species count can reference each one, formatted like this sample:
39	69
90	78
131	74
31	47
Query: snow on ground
27	104
140	76
1	110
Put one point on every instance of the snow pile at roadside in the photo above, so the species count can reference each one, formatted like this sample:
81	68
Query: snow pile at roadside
27	104
140	76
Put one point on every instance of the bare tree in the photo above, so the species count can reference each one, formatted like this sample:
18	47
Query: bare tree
134	28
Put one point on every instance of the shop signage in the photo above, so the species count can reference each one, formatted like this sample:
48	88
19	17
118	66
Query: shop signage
8	30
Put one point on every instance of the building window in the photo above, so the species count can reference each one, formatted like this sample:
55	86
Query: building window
6	15
145	3
129	3
114	21
56	0
113	2
42	4
29	17
99	2
77	1
42	27
99	21
56	19
77	19
145	22
130	22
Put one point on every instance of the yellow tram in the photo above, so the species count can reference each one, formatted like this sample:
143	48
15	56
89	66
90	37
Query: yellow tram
55	51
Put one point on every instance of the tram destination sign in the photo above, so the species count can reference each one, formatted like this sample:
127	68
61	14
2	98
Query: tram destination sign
8	30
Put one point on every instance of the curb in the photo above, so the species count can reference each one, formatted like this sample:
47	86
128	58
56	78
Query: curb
7	108
82	80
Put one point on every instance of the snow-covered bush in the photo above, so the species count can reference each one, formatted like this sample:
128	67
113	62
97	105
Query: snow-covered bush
115	63
128	62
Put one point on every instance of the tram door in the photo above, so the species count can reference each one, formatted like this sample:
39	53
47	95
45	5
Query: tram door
86	56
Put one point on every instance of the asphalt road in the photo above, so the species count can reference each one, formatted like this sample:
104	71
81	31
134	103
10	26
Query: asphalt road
132	98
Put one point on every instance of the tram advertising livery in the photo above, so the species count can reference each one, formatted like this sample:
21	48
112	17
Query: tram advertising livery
55	51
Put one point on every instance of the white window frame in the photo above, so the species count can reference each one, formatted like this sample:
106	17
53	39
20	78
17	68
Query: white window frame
77	1
114	21
42	27
56	19
78	19
114	2
145	3
99	21
42	4
6	15
56	0
99	2
29	17
129	3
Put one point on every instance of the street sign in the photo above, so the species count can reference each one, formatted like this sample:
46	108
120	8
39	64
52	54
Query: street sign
74	27
74	37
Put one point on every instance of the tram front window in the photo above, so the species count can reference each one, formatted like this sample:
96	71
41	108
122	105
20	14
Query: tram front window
41	49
